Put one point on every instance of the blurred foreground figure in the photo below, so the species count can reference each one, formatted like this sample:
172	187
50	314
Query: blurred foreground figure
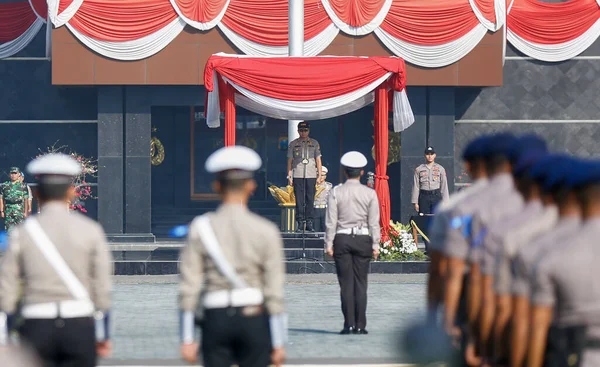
18	357
62	261
236	258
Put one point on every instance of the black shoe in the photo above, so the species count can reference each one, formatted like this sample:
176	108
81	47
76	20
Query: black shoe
347	330
309	227
300	227
360	331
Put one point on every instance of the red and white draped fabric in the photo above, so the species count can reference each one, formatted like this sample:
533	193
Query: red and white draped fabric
20	22
311	88
553	32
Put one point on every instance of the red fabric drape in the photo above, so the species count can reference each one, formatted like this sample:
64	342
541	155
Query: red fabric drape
122	20
229	115
201	10
356	13
486	7
429	22
15	18
63	4
302	78
40	7
554	23
381	159
266	21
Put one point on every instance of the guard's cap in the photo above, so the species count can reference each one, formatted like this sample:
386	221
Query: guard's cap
475	148
524	144
324	170
303	125
429	150
583	172
234	162
54	168
353	160
499	144
15	170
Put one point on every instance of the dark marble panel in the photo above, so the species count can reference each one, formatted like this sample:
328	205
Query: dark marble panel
535	90
405	267
414	139
27	93
138	194
129	268
311	243
110	193
309	267
110	121
441	120
162	268
137	255
165	254
172	95
309	253
37	46
181	151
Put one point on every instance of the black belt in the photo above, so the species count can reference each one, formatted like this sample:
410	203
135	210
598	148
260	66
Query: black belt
430	192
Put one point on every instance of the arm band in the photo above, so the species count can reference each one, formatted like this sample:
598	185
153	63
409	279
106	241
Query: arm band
279	329
186	327
102	326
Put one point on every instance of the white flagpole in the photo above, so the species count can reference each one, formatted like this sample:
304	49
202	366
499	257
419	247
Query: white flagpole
296	47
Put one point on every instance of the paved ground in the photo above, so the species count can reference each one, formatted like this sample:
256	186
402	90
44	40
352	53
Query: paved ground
146	319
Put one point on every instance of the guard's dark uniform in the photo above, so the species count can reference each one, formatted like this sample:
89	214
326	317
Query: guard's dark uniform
353	233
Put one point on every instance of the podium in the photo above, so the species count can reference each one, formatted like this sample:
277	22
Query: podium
288	217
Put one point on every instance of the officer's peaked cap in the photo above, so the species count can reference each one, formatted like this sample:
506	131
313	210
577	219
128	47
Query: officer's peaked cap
235	162
324	169
583	172
353	160
524	144
499	144
54	168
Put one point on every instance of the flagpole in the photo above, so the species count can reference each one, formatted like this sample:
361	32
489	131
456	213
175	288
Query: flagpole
296	47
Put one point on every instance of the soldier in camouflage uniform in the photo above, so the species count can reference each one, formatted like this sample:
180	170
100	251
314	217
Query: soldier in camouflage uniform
13	199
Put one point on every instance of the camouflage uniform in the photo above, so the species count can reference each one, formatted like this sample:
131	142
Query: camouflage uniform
14	195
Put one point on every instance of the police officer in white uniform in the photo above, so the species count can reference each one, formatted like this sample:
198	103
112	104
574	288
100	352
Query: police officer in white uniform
352	238
62	261
232	274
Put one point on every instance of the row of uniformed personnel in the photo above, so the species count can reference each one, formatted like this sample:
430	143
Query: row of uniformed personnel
513	256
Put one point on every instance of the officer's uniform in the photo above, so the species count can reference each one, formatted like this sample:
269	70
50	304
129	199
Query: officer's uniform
321	203
430	185
304	154
232	276
565	280
14	196
63	263
353	232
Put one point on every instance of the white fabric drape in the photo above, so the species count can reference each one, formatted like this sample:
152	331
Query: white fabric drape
11	48
558	52
403	114
135	49
61	19
312	47
433	56
199	25
362	30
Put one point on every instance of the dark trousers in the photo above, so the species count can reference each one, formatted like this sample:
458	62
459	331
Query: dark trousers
320	214
304	189
428	199
352	255
62	342
231	338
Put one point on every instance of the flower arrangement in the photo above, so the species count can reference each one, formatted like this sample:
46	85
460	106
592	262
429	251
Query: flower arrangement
401	245
83	190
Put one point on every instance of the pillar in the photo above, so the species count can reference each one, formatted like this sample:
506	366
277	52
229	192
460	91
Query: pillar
441	128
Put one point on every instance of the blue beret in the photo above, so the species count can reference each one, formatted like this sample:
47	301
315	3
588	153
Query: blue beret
527	161
583	172
526	143
499	144
475	148
552	170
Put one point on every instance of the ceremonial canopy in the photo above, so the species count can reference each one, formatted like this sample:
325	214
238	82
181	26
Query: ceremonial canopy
312	88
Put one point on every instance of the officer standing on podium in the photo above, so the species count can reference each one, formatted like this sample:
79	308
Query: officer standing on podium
235	258
352	238
430	184
62	260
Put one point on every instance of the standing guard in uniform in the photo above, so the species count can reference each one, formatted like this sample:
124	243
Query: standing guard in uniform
304	173
430	184
62	262
13	200
352	238
235	258
321	201
565	295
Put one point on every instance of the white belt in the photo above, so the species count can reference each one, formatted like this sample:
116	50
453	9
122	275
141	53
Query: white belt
233	298
64	309
355	231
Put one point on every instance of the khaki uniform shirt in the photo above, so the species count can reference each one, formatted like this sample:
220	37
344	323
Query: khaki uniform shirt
429	178
299	150
250	243
350	205
567	280
526	257
80	241
322	198
441	220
